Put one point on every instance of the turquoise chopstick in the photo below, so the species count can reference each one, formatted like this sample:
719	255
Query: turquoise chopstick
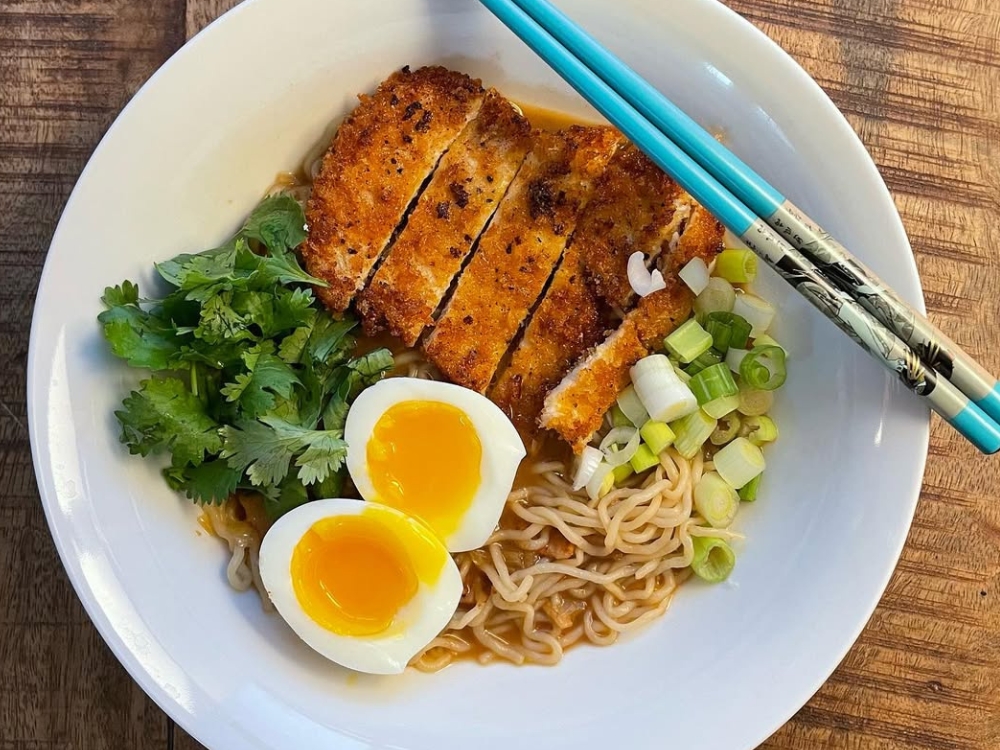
723	164
833	259
843	310
729	210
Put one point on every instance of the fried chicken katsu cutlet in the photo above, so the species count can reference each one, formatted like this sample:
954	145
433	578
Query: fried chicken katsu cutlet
509	271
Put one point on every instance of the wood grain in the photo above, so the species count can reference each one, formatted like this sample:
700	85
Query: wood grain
66	69
920	82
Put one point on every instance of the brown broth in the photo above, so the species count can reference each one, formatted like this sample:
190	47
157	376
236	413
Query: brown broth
549	119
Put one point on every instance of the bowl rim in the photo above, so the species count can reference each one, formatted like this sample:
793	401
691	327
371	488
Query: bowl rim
35	367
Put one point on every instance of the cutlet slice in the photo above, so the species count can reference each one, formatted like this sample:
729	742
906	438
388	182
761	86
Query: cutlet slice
569	320
635	206
466	189
518	252
382	154
575	408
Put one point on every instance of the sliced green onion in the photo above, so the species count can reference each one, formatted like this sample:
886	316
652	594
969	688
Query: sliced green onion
734	357
764	368
719	296
736	266
712	383
692	432
766	340
748	492
644	459
713	559
627	437
660	390
720	407
623	472
695	275
631	406
753	402
758	312
618	418
759	430
688	341
601	482
739	462
727	330
657	435
586	465
709	358
715	500
727	429
683	376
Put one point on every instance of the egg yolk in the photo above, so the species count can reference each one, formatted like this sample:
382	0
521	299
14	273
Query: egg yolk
424	459
352	574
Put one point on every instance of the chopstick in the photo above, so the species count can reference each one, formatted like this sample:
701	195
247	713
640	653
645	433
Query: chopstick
829	256
835	303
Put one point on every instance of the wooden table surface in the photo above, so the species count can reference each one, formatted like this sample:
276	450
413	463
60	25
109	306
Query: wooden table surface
920	82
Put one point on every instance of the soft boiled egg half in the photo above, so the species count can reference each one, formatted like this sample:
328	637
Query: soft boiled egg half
369	584
436	451
363	584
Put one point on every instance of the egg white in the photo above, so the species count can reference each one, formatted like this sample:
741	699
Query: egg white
501	444
414	626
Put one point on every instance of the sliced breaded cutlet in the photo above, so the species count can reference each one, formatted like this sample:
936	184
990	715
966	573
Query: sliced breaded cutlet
462	195
575	408
518	252
382	154
634	207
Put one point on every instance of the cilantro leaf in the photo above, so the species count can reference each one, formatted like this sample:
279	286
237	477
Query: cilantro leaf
330	337
140	337
219	321
266	375
164	415
278	222
284	268
332	486
210	482
265	449
291	495
372	367
188	272
126	293
274	311
258	450
335	413
348	382
324	455
292	309
294	344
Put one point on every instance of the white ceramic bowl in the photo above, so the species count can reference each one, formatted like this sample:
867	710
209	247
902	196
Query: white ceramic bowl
186	161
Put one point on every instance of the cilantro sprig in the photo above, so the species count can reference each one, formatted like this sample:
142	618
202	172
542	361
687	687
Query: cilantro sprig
252	379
